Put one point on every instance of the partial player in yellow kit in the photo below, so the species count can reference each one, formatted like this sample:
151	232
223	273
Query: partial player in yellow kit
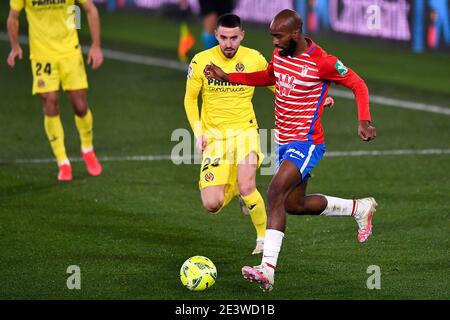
227	131
56	59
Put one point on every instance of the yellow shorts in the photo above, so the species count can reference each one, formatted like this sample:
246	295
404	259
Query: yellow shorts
221	158
69	71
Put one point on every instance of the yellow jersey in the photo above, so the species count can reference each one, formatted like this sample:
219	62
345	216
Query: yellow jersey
225	107
51	27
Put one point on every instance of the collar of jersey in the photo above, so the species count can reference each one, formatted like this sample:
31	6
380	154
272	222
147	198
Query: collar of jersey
308	50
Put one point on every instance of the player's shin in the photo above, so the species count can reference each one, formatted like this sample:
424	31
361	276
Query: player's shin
257	210
55	134
84	125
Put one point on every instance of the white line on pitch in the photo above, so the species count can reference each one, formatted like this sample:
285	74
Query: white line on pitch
393	102
355	153
175	65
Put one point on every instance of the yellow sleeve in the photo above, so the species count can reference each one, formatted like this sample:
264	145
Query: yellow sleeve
194	85
82	1
17	5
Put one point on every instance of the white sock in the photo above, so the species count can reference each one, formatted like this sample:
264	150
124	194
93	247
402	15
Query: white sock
339	207
64	163
86	150
272	247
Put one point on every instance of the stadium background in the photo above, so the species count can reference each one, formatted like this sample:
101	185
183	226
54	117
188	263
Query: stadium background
130	229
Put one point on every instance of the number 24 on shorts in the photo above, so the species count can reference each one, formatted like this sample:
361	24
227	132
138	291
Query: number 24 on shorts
207	162
47	68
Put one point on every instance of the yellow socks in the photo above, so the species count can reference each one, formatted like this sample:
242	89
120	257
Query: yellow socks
55	134
255	205
84	126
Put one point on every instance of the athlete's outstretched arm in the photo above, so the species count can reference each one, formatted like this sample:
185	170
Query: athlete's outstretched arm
95	55
13	33
256	79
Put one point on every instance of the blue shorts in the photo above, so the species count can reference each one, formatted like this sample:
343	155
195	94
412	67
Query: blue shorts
304	155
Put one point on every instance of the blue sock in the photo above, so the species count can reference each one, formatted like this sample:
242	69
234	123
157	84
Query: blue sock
209	40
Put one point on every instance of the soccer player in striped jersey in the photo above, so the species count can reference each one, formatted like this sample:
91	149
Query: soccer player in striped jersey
302	73
56	59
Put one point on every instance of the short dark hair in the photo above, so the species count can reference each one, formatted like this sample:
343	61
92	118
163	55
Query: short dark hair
229	20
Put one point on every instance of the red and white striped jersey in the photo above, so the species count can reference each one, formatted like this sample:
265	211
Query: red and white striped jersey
302	84
298	96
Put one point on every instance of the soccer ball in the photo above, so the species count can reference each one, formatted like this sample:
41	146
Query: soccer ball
198	273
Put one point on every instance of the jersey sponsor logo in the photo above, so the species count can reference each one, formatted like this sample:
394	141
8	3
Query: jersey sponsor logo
240	67
213	82
209	176
339	66
286	83
227	90
224	86
47	2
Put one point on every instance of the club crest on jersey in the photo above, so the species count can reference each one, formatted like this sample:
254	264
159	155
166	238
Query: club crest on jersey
286	83
41	83
240	67
304	70
209	176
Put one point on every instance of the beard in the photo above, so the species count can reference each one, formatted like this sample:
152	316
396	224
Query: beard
229	52
290	50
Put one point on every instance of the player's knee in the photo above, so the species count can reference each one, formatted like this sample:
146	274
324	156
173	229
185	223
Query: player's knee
246	188
212	199
50	104
80	113
213	205
79	103
80	108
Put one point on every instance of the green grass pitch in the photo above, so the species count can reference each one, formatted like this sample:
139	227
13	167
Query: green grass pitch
130	229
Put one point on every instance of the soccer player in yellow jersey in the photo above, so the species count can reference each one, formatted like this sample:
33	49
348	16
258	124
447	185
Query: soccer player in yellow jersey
227	132
56	59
